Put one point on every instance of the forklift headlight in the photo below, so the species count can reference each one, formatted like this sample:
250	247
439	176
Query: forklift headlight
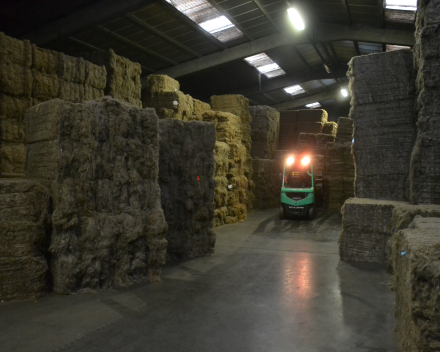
290	160
305	161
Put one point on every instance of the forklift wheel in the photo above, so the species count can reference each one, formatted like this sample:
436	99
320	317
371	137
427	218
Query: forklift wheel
282	214
311	213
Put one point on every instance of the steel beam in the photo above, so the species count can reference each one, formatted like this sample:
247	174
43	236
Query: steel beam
323	33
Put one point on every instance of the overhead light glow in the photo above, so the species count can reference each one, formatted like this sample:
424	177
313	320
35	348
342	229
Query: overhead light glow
396	47
405	5
216	24
313	105
296	19
208	17
305	161
290	160
294	90
344	92
265	65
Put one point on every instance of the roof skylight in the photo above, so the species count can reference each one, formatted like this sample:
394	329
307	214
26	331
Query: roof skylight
406	5
313	105
208	17
294	90
265	65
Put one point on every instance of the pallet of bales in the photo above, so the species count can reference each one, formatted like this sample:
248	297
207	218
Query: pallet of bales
383	94
24	207
265	131
186	170
100	161
415	256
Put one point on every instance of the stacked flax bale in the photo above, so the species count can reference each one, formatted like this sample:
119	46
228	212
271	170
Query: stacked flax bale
339	168
15	99
100	162
230	168
265	127
163	94
383	92
425	159
239	106
28	76
366	229
265	175
186	170
314	143
23	244
123	76
415	254
330	127
292	123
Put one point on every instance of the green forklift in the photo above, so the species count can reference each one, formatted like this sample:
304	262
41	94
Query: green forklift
298	188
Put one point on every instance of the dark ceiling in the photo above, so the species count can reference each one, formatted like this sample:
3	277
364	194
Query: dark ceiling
162	40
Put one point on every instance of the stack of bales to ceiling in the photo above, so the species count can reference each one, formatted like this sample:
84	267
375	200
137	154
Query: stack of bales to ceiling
230	168
123	76
239	106
99	160
23	244
163	93
265	175
15	99
28	76
339	167
186	170
292	123
383	94
383	91
425	159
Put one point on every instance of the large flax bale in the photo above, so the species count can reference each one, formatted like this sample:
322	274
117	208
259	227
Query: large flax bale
330	128
11	129
381	77
227	125
15	80
200	107
221	156
95	76
12	156
321	142
415	255
265	131
345	130
72	92
44	61
174	105
266	177
383	112
306	142
100	161
23	239
14	107
312	116
220	216
15	51
123	76
161	83
366	229
186	169
44	86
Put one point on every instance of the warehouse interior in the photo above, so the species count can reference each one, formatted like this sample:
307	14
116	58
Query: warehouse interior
223	175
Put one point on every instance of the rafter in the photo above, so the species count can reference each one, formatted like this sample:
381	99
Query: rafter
323	33
158	33
98	12
134	45
267	15
347	11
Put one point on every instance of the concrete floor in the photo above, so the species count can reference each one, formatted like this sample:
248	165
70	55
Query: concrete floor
271	286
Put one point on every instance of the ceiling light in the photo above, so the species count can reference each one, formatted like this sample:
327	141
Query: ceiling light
396	47
294	90
313	105
344	92
295	19
327	69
